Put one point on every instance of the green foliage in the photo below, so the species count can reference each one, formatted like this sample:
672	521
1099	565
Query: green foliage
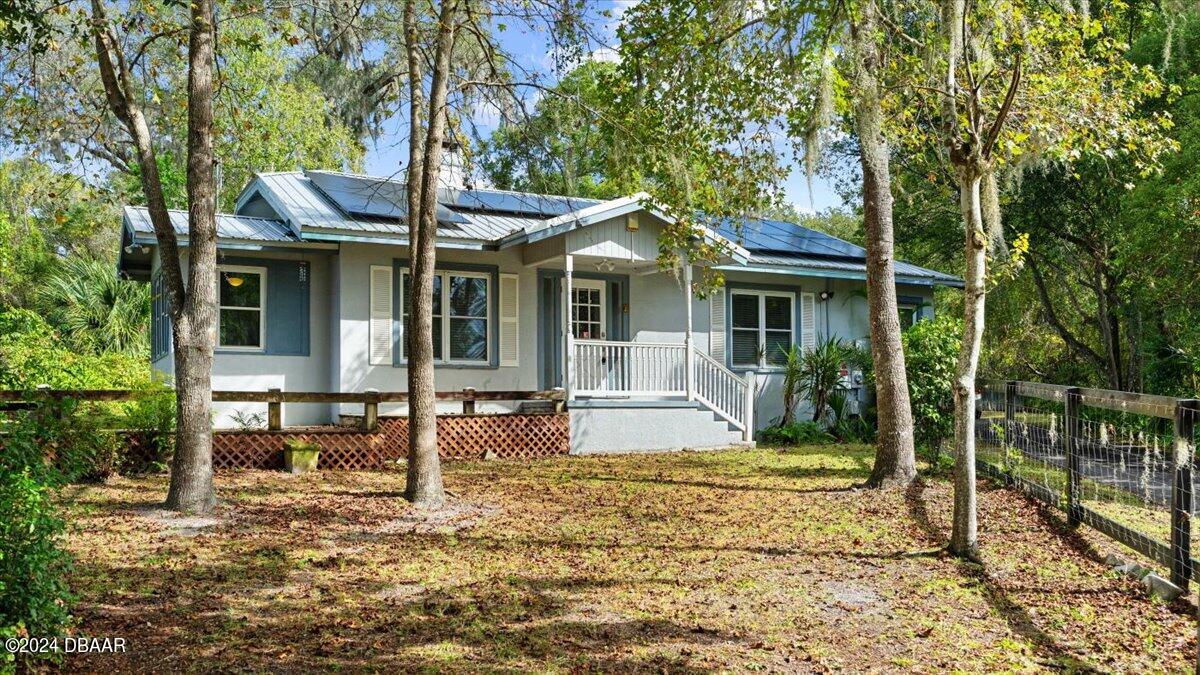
95	310
33	353
797	433
34	597
818	374
46	214
931	352
846	427
566	146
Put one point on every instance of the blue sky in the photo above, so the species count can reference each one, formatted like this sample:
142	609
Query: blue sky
530	49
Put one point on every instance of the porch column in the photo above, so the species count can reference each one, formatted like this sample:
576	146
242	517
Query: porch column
569	336
689	373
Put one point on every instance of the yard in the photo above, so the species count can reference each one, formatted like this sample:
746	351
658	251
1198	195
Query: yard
750	560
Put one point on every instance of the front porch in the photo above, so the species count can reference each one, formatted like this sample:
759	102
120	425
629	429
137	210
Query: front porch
592	352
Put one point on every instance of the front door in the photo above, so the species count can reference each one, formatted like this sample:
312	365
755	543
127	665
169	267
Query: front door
596	311
588	309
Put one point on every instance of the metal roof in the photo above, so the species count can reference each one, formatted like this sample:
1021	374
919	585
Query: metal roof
228	226
321	206
905	272
764	234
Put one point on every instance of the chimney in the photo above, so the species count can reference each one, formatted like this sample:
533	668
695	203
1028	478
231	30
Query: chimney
453	172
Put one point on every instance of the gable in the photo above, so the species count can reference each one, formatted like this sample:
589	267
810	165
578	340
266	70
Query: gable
632	236
258	207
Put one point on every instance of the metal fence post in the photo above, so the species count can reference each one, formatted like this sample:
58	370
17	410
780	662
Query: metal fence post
1010	426
275	409
1181	493
1071	429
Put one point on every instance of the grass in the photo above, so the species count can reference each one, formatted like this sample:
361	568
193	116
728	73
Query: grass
739	560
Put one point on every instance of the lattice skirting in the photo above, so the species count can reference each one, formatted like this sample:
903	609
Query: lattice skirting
512	436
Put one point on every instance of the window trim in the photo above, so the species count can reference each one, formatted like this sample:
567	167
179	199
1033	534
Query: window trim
262	308
761	294
916	313
445	316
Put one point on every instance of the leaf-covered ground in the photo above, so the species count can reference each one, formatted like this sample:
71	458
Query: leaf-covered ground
739	560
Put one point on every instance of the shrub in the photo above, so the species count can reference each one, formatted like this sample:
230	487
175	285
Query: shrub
813	375
931	350
33	353
34	599
846	427
797	433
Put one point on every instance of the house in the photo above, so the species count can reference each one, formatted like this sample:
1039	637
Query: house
313	272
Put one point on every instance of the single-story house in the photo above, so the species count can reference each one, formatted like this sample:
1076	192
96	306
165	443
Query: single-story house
313	273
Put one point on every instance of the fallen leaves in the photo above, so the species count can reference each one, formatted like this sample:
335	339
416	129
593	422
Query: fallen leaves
738	560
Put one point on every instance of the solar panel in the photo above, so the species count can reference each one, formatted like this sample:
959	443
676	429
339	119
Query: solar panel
372	197
778	236
521	203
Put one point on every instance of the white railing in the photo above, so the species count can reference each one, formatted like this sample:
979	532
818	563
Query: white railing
724	391
610	368
607	368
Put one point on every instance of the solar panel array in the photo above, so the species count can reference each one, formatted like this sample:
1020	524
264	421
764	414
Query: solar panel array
384	198
520	203
761	234
379	198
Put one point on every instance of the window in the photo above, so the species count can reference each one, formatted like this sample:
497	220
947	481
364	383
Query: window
461	315
240	297
908	316
761	327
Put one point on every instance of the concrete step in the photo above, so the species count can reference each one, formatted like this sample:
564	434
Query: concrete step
608	426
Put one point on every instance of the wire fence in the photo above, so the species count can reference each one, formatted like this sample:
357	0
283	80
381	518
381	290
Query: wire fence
1119	462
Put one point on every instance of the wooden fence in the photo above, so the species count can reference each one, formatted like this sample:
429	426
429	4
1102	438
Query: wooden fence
1088	450
375	441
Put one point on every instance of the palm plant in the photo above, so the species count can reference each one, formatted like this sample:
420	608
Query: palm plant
818	374
793	373
94	309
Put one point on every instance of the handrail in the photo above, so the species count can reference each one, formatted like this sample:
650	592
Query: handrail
718	365
621	343
721	390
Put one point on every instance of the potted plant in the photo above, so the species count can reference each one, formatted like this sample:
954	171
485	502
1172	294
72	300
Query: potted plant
300	456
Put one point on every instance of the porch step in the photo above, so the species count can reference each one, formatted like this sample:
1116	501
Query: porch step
615	426
536	407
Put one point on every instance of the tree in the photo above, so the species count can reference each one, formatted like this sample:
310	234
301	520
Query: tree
192	308
719	80
427	129
566	145
1012	82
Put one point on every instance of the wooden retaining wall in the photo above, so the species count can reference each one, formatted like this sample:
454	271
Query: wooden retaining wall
505	436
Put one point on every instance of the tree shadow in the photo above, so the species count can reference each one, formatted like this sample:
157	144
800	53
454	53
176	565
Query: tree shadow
210	617
999	598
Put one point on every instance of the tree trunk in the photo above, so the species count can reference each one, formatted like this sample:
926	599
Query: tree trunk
424	480
191	486
895	455
964	536
192	309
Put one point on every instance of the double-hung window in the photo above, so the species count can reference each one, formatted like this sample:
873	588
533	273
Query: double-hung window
241	295
461	315
761	328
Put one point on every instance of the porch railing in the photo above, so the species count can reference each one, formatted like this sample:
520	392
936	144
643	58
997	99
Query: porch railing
724	391
610	369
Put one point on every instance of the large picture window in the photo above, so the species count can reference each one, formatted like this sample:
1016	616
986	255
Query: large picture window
761	328
241	291
461	315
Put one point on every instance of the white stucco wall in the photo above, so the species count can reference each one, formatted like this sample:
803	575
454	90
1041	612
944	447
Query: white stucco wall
352	370
259	372
339	328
